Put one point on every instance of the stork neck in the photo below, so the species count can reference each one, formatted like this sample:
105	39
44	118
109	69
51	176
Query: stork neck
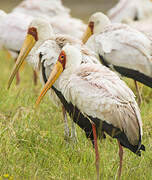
91	43
45	32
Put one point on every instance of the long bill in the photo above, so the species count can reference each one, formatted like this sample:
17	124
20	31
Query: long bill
28	43
57	70
87	34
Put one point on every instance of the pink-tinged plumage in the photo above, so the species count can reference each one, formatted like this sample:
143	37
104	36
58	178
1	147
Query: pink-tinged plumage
40	7
15	25
144	26
97	94
130	9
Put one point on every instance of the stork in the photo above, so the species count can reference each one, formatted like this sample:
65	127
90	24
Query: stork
40	33
130	10
121	48
92	92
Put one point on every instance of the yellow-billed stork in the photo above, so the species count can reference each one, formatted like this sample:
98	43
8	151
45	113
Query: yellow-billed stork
41	38
121	48
91	92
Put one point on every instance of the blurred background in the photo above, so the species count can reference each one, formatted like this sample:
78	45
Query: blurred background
79	8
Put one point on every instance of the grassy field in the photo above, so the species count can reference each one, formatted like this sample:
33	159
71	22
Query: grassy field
32	144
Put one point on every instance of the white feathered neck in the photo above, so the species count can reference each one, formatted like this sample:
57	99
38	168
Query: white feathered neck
73	57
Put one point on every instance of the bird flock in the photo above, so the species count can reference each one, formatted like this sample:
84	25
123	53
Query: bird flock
81	66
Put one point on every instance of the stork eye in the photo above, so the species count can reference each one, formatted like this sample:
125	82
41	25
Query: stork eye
62	57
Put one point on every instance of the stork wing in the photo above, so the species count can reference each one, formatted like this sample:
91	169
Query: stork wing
123	46
40	7
13	28
99	93
143	26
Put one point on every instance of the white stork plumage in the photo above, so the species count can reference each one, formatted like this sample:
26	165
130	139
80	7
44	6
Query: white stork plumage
40	7
135	13
90	91
16	23
130	9
144	26
121	48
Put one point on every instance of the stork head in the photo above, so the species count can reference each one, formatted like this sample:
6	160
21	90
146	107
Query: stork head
97	23
38	30
69	58
41	27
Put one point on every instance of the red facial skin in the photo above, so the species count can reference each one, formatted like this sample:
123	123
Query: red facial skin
33	31
62	58
91	25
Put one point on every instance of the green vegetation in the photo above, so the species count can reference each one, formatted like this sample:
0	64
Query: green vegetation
32	144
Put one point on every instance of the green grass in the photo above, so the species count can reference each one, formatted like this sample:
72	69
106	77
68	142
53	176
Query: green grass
32	144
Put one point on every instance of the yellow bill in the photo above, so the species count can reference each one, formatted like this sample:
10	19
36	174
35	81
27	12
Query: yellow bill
57	70
88	33
29	42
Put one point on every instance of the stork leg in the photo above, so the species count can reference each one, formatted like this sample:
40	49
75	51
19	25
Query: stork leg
35	77
73	132
121	159
66	128
17	77
96	150
138	93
